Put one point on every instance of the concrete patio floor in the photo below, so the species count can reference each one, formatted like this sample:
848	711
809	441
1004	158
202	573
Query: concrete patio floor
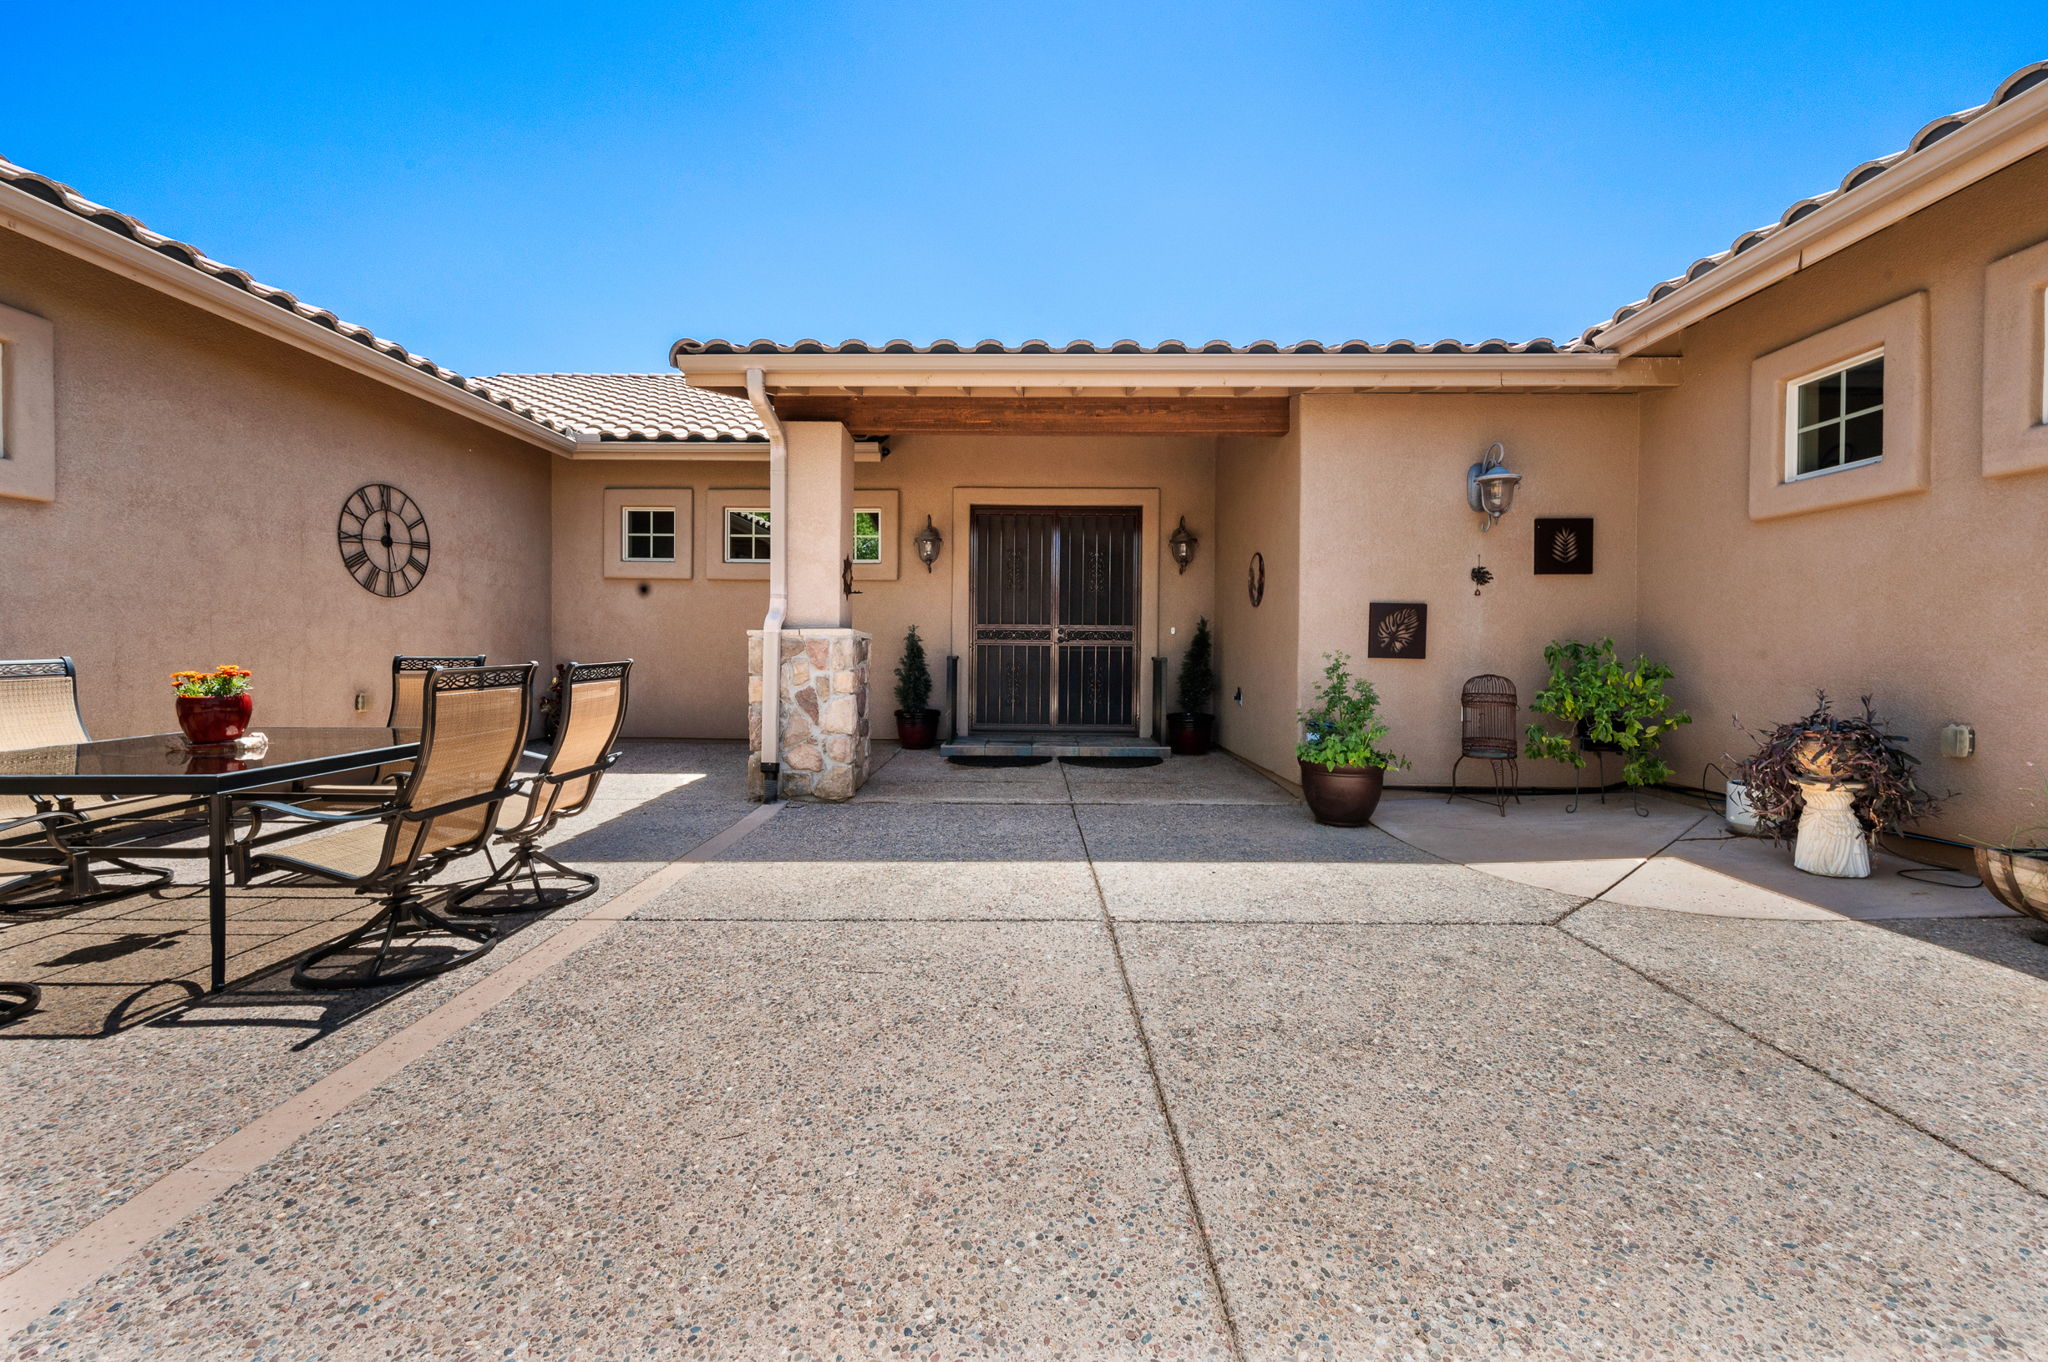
1065	1061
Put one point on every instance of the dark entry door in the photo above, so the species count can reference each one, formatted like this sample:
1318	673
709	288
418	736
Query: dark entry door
1055	618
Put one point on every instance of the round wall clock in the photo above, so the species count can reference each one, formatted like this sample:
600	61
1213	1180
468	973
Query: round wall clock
383	539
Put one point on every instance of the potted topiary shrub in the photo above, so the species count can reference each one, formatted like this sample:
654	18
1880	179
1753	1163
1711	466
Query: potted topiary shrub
1837	749
1192	729
1343	765
917	723
1610	707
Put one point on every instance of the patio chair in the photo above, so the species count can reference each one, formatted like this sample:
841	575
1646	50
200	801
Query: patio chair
1486	723
408	690
472	727
585	747
48	843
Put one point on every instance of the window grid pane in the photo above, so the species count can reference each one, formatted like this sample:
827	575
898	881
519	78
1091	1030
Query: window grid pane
650	535
746	535
1839	418
867	536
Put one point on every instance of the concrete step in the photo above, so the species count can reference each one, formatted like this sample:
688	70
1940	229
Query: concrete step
1053	745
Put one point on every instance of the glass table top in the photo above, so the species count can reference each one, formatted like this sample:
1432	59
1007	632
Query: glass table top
162	760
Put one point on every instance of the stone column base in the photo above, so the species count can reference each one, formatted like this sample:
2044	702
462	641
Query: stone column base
824	688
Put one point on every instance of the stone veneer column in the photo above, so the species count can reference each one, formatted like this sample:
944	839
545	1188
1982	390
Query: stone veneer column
824	679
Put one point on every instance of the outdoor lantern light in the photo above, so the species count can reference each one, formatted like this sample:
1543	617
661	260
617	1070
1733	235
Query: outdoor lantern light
1182	542
928	540
1489	486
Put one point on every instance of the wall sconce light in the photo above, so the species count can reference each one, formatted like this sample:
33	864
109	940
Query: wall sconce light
928	541
1182	545
1489	486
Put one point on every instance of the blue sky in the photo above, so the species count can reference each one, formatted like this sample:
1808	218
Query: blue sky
518	187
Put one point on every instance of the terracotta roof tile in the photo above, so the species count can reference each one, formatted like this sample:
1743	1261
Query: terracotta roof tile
2018	83
631	406
1539	346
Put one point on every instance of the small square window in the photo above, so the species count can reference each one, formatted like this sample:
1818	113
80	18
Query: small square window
647	534
1835	420
746	535
867	536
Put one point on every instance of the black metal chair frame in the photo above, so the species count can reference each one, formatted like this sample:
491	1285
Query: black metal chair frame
407	912
544	809
72	835
1503	757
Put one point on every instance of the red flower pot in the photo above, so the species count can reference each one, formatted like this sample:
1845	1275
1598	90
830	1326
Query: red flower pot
215	718
917	729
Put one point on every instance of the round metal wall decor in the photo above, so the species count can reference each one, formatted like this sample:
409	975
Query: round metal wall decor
383	538
1255	580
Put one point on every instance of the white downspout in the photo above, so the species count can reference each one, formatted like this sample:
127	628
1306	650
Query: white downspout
778	589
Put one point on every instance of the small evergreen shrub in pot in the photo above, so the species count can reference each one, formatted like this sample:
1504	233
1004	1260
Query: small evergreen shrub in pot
1610	707
1191	730
1342	754
917	723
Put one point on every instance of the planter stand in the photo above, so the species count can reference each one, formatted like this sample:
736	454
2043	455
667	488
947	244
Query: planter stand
1599	752
1831	841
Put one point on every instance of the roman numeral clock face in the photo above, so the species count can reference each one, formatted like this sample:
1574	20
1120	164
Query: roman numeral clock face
383	538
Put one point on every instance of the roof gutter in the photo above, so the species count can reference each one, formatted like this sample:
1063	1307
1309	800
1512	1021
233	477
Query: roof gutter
1987	144
55	227
778	589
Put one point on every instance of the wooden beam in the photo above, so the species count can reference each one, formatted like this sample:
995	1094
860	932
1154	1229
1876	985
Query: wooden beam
873	416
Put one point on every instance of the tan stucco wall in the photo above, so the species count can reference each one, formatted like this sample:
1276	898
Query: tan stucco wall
1258	496
688	638
200	470
1931	601
1383	517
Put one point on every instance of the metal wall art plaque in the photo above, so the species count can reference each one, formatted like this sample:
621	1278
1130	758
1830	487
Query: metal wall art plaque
1564	544
1397	629
1255	579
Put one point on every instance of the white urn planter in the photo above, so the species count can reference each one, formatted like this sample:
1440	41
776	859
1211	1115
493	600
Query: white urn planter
1738	812
1831	841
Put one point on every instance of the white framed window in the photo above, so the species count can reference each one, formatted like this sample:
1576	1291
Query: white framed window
28	407
1835	419
647	534
746	534
867	535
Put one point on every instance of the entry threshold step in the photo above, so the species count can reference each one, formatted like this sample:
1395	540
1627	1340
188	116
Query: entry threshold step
1052	745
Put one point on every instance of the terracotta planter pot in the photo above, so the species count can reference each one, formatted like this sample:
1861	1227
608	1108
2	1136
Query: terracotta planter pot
1344	797
917	729
1190	734
209	719
2017	879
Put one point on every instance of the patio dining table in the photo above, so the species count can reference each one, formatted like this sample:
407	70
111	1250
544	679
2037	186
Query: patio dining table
161	763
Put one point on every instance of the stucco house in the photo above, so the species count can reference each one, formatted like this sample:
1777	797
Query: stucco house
1817	458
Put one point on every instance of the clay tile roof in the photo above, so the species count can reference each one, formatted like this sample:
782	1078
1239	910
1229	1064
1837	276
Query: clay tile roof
2018	83
1539	346
23	180
631	406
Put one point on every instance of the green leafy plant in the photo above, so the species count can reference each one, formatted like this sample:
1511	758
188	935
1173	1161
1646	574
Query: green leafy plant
1854	748
1605	702
1196	683
913	676
1345	728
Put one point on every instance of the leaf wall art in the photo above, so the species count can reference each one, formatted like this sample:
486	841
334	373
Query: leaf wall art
1397	629
1564	545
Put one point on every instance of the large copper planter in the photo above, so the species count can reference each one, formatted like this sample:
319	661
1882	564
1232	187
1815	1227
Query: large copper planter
1344	797
2017	879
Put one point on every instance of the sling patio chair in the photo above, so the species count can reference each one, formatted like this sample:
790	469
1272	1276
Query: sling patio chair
593	711
408	690
472	730
49	842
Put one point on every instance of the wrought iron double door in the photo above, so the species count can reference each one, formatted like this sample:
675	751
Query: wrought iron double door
1055	618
